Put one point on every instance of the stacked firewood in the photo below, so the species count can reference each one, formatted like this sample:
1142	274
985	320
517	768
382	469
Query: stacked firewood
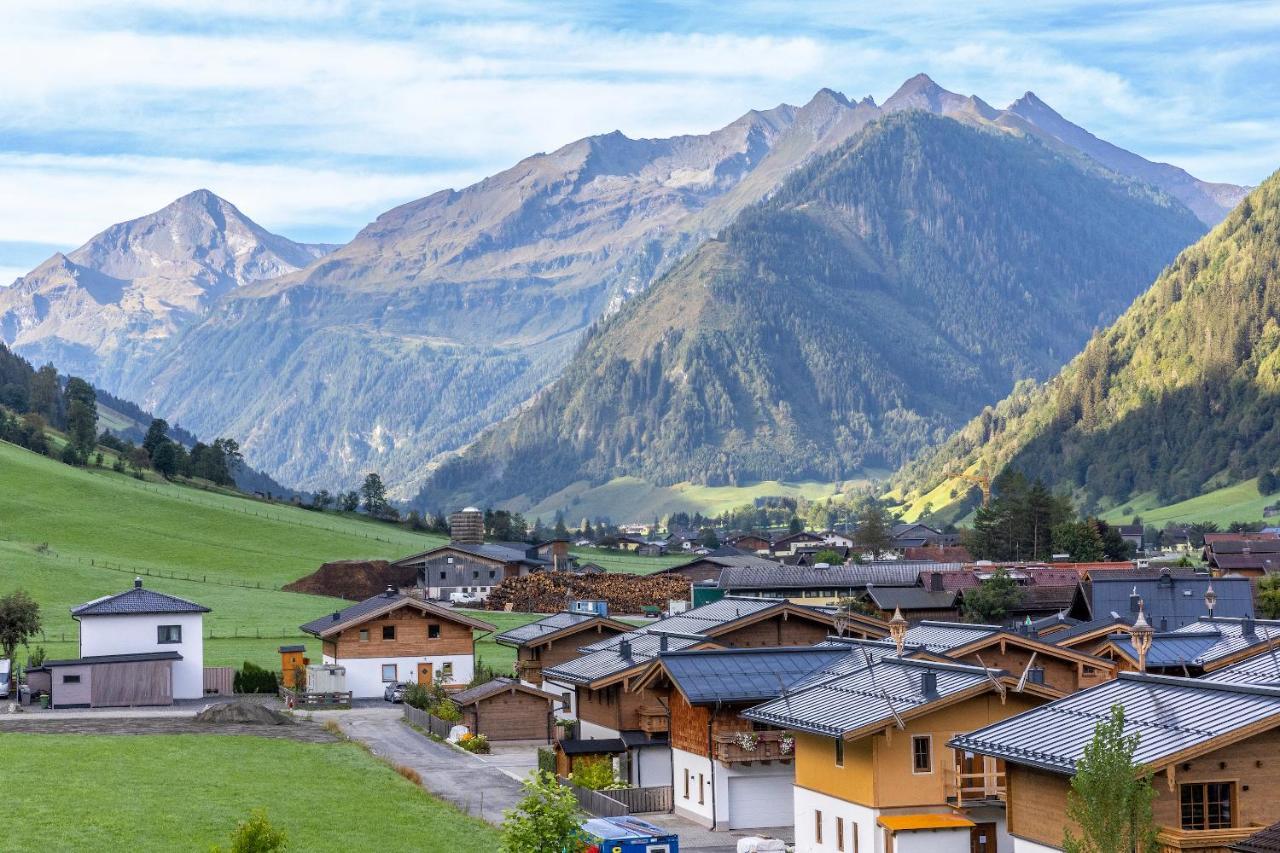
549	592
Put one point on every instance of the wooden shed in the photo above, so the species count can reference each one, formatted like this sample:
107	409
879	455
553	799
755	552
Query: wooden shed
112	681
506	709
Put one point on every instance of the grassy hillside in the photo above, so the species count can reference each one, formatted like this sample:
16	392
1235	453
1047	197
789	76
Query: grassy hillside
1238	502
1179	397
297	784
68	535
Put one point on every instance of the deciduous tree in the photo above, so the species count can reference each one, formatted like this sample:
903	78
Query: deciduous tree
547	819
19	621
1111	798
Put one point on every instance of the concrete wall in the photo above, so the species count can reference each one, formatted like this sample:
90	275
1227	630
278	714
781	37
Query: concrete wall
364	675
859	819
697	770
568	711
128	635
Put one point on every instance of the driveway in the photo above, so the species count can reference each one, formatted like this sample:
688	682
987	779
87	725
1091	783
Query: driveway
473	785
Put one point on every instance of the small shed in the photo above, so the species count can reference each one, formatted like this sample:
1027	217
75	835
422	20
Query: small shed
113	681
506	709
570	751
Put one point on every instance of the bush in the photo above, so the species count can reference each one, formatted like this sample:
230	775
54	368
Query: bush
419	696
447	711
547	760
594	773
252	678
474	743
256	835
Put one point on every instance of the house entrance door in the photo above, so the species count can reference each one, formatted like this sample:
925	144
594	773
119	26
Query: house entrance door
425	675
982	838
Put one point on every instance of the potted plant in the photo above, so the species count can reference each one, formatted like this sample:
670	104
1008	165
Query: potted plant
787	743
747	741
565	728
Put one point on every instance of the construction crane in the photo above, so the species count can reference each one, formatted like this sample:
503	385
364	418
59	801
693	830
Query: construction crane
981	480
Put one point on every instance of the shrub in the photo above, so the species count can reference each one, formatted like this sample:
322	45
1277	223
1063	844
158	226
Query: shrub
474	743
594	773
409	773
252	678
447	711
419	696
256	835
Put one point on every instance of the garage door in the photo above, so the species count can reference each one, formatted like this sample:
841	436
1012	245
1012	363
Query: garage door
760	801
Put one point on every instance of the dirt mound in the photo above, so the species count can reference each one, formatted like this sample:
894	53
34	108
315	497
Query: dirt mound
354	580
240	713
547	592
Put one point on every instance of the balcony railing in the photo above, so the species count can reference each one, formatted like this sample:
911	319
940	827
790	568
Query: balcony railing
767	746
986	785
530	671
653	719
1202	841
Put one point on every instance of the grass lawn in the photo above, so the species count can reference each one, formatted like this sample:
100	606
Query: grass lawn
613	560
501	658
1239	502
187	792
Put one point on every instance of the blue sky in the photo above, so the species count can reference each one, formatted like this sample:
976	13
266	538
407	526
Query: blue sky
313	116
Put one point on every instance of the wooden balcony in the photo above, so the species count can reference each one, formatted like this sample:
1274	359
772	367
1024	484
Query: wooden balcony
1202	840
653	719
768	748
530	671
979	787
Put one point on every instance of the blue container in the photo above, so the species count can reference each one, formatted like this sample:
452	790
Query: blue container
628	835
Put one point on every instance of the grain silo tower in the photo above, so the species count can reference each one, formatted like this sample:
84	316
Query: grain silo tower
467	525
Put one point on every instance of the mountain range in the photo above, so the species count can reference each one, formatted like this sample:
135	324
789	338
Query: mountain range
452	313
1181	395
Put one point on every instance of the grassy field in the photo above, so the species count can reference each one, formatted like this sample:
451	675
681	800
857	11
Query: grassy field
1240	502
612	560
187	792
632	499
68	535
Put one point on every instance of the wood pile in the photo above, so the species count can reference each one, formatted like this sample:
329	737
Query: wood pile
550	592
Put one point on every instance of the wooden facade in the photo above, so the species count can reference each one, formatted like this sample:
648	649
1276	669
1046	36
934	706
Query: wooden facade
614	707
513	714
414	634
1064	671
533	657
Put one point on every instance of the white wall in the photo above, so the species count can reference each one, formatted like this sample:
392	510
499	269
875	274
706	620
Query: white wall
682	762
996	815
364	675
650	766
1022	845
932	841
570	711
136	634
857	818
591	731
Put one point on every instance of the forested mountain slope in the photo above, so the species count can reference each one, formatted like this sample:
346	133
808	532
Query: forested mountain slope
1180	395
884	293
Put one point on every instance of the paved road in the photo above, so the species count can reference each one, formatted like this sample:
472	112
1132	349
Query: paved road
464	780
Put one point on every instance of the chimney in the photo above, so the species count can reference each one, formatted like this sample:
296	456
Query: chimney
624	649
391	591
137	582
662	643
1247	627
929	684
935	582
336	616
1135	601
1164	624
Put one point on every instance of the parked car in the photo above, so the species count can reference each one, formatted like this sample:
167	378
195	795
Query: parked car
395	691
4	678
462	598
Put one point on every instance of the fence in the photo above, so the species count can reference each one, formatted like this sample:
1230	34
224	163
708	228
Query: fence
596	802
219	680
315	701
422	719
644	800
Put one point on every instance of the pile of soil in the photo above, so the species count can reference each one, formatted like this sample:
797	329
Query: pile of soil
548	592
354	580
240	713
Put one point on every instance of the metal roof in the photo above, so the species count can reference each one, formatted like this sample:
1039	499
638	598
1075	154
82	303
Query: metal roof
1178	599
1263	841
510	552
772	575
910	598
495	687
1205	641
135	601
610	661
1169	714
1261	669
695	622
942	636
547	625
592	747
867	696
327	624
135	658
744	675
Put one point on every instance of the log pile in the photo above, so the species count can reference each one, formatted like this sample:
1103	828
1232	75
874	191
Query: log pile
550	592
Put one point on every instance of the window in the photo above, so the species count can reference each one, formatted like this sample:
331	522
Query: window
701	788
450	559
433	632
168	633
443	575
388	632
492	574
1208	805
446	670
475	575
922	754
567	701
364	635
839	833
817	827
686	783
839	752
389	672
70	679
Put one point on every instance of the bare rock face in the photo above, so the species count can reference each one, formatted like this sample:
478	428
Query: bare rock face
134	286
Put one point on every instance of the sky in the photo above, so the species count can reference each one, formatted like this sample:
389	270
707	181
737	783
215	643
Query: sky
314	116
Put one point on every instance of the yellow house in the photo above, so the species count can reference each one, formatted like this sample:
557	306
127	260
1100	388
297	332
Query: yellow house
873	772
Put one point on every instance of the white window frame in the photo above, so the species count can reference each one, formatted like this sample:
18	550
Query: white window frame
395	673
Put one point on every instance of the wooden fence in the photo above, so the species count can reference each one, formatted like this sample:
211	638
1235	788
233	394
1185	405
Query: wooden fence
622	801
219	680
422	719
596	802
315	701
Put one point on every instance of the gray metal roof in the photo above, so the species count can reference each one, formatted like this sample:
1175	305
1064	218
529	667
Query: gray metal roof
1169	714
496	686
772	575
1263	841
1261	669
137	600
326	624
888	598
695	622
610	661
507	552
1177	599
744	675
547	625
867	696
134	658
944	636
1205	641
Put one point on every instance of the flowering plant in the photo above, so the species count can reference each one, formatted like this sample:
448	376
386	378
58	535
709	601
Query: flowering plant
786	744
747	741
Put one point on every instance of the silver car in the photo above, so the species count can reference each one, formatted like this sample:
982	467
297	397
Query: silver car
394	691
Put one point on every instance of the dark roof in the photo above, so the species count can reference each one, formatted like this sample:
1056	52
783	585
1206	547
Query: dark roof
293	648
869	695
771	575
1263	841
370	607
137	600
547	625
1045	598
1080	628
1244	546
743	675
136	658
608	746
610	660
495	687
1170	714
888	598
633	737
1176	598
718	558
501	552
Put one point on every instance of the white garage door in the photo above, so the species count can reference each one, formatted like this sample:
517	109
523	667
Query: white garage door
760	801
